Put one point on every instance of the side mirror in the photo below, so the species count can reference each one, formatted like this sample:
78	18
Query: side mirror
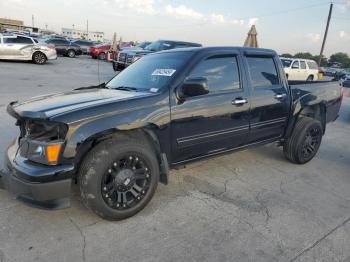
194	87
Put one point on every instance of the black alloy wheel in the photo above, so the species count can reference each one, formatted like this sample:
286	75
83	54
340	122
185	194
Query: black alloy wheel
126	182
305	140
119	176
311	143
71	53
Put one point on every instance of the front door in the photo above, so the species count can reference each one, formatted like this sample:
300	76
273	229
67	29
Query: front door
269	100
294	73
215	122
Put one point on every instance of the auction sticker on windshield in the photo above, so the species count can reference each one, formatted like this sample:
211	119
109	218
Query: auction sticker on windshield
163	72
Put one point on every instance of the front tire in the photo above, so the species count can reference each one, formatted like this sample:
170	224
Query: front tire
71	53
119	177
102	56
39	58
304	141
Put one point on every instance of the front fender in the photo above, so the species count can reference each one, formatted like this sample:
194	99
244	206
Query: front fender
157	116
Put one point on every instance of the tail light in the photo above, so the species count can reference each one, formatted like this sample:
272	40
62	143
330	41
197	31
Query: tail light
51	46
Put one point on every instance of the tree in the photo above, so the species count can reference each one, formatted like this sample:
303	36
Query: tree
306	55
324	61
286	55
341	58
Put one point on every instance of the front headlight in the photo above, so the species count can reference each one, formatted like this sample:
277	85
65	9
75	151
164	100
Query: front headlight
42	141
44	130
41	152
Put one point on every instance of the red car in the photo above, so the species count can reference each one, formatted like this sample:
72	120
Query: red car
99	51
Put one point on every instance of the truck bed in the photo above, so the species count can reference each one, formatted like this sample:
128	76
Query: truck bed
308	93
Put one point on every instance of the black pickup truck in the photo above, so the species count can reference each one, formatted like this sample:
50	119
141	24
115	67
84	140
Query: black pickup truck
119	139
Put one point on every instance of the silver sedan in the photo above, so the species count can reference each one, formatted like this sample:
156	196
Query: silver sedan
19	47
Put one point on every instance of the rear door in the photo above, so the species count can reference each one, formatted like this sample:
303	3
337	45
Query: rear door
303	70
269	98
215	122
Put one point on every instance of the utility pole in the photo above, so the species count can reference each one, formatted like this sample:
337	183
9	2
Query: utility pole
325	33
32	20
87	29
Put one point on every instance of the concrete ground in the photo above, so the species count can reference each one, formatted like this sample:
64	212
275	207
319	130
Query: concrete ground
247	206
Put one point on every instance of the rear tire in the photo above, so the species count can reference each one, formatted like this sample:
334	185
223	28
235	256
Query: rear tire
71	53
310	78
113	168
39	58
304	141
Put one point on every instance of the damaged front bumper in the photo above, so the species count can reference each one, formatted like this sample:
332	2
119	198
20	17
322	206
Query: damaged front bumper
37	184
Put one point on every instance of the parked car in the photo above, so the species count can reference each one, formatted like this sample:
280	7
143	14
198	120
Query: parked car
85	45
127	57
327	71
138	47
119	139
300	69
345	80
19	47
100	51
65	47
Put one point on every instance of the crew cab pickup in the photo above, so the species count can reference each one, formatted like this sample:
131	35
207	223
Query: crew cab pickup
119	139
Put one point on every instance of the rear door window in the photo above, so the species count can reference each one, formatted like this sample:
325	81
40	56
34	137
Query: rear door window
263	72
312	65
302	65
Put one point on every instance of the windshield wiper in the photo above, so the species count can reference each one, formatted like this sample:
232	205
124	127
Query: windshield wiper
125	88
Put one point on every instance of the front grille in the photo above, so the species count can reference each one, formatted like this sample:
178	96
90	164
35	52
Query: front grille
122	57
129	60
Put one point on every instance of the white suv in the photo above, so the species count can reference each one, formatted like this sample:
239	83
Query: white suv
300	69
19	47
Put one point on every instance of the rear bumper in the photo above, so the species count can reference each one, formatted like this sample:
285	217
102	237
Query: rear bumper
39	185
51	55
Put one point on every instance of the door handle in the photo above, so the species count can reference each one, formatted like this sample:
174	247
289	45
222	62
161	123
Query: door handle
239	101
280	96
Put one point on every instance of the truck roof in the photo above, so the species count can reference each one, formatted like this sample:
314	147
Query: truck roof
180	42
247	50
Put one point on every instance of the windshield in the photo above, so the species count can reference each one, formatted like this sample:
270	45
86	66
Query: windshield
150	72
158	46
143	45
286	62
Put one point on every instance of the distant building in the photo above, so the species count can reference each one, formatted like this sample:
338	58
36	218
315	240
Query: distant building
82	34
15	25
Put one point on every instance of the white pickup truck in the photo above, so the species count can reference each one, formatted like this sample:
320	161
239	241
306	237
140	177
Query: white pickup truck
300	69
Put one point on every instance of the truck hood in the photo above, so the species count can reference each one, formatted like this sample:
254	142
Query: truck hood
47	106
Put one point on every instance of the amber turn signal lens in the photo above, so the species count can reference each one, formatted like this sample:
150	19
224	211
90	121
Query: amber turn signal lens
52	153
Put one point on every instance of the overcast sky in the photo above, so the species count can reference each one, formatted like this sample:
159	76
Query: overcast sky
286	26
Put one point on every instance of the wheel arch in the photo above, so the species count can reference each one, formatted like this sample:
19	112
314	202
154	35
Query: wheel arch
146	132
317	112
38	51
